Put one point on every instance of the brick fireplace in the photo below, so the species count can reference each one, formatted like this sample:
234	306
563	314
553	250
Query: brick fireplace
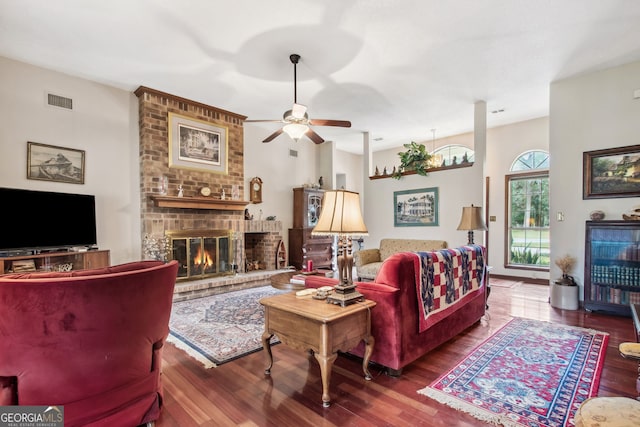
251	245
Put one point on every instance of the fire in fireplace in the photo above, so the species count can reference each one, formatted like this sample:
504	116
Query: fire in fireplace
202	253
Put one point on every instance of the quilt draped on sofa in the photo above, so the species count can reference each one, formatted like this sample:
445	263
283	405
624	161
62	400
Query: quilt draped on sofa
445	277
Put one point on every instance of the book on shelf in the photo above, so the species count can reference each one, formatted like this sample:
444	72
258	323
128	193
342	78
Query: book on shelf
24	265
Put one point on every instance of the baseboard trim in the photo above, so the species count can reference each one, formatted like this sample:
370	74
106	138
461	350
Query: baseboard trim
520	279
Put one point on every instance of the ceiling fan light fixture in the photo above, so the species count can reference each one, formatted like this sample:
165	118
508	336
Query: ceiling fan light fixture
295	130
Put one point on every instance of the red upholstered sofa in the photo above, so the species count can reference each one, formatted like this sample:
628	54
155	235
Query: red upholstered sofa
396	317
88	340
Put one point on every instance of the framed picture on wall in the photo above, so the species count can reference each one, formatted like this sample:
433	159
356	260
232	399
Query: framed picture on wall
415	208
197	145
52	163
611	173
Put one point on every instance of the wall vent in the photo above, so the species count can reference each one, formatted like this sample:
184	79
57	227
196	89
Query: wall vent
293	153
59	101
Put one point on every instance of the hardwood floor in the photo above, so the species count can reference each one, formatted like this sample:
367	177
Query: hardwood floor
238	392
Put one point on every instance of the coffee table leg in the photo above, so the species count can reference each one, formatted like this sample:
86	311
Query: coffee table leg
368	349
326	363
266	343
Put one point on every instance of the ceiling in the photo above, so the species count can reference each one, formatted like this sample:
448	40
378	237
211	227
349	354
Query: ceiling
394	68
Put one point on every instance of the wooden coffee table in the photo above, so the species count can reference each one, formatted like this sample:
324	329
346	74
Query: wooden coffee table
309	324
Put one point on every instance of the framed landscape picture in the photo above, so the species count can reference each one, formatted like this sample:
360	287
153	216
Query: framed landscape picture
197	145
610	173
415	207
52	163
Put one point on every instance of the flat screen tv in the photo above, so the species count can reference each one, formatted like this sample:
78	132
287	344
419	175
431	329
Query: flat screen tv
46	220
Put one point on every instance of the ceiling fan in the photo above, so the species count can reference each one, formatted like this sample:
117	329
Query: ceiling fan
296	120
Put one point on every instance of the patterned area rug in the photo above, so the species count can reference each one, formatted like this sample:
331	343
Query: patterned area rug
529	373
220	328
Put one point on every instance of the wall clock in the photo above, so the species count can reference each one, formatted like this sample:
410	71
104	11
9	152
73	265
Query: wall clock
255	190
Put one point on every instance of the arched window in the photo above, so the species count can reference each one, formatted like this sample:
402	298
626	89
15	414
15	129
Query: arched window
454	155
531	160
527	225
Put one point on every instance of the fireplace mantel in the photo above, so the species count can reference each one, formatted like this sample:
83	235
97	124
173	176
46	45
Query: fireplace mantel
198	203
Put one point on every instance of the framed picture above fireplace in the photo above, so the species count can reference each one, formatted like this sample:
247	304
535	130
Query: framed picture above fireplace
197	145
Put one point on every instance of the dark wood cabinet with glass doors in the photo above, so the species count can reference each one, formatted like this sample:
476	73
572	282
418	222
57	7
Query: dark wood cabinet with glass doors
612	266
303	247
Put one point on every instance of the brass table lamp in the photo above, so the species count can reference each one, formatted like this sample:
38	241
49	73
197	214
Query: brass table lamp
341	216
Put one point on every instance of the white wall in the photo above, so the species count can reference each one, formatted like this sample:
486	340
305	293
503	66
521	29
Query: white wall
379	207
504	145
279	172
588	112
103	122
351	166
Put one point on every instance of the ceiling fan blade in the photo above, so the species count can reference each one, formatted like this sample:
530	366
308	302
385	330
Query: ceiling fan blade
314	136
323	122
298	111
273	136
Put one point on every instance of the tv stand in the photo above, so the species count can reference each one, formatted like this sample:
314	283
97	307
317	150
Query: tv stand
54	261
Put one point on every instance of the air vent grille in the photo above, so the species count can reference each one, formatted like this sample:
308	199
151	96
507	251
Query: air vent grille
293	153
60	101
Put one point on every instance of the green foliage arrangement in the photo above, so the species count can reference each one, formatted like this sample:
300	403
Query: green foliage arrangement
524	256
416	159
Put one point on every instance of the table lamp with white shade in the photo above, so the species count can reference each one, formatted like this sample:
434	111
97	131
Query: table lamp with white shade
341	216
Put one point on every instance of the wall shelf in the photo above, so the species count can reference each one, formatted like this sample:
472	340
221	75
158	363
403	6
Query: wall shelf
198	203
442	168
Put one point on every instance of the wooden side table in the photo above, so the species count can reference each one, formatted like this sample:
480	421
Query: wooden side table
283	280
309	324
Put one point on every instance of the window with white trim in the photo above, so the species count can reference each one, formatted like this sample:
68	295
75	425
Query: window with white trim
527	225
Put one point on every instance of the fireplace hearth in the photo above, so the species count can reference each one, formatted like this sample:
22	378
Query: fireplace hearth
202	253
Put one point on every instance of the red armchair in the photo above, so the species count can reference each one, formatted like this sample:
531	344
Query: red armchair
88	340
394	320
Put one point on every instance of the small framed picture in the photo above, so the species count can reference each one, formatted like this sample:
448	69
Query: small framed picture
415	208
197	145
611	173
52	163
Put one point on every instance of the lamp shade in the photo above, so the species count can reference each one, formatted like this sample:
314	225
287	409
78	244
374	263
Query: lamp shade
471	218
340	215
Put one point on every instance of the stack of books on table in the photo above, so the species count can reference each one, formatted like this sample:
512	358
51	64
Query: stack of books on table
298	279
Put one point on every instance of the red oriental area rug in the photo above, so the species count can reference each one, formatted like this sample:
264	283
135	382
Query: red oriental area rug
529	373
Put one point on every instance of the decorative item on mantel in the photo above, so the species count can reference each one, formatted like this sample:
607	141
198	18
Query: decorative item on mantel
596	215
163	185
255	190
